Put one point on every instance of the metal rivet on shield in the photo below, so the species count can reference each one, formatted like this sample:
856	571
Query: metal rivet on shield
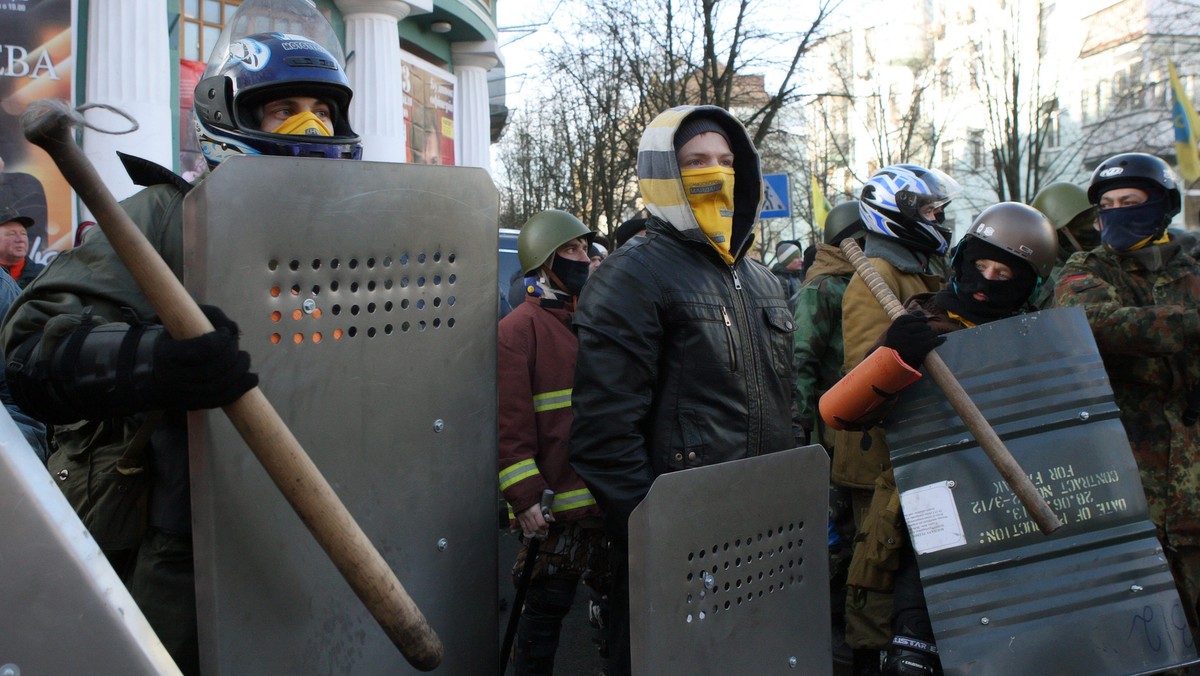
1083	415
984	620
62	475
709	580
438	425
950	484
443	543
308	306
10	669
793	662
1135	588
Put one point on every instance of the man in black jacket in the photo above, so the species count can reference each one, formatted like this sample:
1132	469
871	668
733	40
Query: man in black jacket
684	343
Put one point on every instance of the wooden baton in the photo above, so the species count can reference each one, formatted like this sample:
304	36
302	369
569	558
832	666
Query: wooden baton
47	124
979	427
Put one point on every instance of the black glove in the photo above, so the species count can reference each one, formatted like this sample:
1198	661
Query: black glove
207	371
913	337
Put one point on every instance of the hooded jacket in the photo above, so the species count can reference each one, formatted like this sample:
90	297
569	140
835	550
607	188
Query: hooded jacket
684	361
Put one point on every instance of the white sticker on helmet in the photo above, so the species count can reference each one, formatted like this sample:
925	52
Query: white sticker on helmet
253	54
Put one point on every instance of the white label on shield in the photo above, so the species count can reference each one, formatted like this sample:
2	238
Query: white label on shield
932	518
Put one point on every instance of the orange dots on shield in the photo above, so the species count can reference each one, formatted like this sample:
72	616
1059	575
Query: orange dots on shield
274	291
276	316
298	338
275	338
297	314
337	334
316	314
317	337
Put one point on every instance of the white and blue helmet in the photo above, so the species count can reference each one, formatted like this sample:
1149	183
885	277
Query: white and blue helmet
892	201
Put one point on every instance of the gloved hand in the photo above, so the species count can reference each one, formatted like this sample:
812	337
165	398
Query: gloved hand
912	337
207	371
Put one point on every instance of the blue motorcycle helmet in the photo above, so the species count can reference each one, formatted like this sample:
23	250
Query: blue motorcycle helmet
260	68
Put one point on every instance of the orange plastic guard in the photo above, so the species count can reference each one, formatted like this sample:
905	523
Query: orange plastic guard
862	390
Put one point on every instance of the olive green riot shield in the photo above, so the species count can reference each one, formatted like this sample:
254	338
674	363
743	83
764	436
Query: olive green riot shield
1095	597
729	569
65	609
366	296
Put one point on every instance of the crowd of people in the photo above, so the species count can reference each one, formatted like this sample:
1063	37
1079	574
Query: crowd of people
664	348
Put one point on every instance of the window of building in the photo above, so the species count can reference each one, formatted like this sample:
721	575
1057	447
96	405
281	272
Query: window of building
976	142
202	21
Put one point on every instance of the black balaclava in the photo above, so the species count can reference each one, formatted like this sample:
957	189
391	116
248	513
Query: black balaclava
571	274
1131	228
1004	298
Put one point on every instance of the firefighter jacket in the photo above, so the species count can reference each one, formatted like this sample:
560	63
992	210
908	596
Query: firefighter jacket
92	275
684	360
1142	308
536	366
860	457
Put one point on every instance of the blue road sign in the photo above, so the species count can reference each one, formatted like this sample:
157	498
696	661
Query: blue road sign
777	200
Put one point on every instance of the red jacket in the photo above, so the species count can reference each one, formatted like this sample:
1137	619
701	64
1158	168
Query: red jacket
536	369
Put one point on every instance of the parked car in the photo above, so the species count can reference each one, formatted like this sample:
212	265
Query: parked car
509	269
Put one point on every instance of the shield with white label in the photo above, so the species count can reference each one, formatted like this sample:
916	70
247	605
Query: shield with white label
1094	597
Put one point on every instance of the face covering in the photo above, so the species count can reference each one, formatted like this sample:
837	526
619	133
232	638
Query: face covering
1004	298
572	274
303	124
1131	228
710	192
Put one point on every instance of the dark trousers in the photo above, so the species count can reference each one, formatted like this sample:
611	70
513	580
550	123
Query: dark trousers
163	584
546	604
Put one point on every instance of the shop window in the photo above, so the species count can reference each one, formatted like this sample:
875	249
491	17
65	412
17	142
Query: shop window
202	21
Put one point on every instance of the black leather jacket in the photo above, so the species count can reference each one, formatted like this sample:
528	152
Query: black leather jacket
683	361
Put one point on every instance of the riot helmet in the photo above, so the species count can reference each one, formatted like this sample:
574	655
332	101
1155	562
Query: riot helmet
1021	231
544	233
260	68
1137	170
893	199
842	221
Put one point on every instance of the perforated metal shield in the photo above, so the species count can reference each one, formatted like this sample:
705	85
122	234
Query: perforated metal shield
366	296
729	569
65	609
1095	596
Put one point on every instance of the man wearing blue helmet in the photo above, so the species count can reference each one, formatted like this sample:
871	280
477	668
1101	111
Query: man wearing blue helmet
902	207
87	353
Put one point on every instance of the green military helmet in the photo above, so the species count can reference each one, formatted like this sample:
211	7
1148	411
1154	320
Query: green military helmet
1020	230
1062	203
543	233
842	221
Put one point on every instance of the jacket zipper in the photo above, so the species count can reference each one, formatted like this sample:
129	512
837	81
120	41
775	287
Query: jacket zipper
755	398
733	362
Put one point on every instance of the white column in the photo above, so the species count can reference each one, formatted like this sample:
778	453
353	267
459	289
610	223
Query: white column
129	67
472	114
373	48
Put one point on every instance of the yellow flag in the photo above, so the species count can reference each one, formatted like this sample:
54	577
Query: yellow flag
1187	127
820	205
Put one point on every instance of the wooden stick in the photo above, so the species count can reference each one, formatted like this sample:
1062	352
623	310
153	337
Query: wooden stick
979	427
48	125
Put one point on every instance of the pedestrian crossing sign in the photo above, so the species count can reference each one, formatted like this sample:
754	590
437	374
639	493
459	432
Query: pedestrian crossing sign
776	197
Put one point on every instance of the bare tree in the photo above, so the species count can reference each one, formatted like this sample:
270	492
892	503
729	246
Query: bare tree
622	64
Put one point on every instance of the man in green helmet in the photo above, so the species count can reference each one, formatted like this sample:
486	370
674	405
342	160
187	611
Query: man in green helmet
1074	217
536	369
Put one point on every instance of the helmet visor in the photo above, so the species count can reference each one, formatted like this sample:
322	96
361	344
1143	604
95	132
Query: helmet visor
275	16
925	201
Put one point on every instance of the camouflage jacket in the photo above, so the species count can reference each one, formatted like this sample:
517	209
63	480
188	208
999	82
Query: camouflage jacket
817	342
1143	312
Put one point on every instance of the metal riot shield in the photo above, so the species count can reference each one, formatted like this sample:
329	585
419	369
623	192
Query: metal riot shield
366	296
729	569
1096	596
65	609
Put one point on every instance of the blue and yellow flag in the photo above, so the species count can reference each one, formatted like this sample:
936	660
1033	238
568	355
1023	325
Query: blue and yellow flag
820	205
1187	128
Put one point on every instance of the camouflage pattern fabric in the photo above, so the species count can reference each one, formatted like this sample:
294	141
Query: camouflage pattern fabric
570	549
1147	327
817	342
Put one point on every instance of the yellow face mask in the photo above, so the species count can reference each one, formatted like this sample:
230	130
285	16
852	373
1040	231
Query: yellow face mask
710	192
303	124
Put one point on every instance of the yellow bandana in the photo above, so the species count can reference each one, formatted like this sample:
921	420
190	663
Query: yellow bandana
710	192
304	124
